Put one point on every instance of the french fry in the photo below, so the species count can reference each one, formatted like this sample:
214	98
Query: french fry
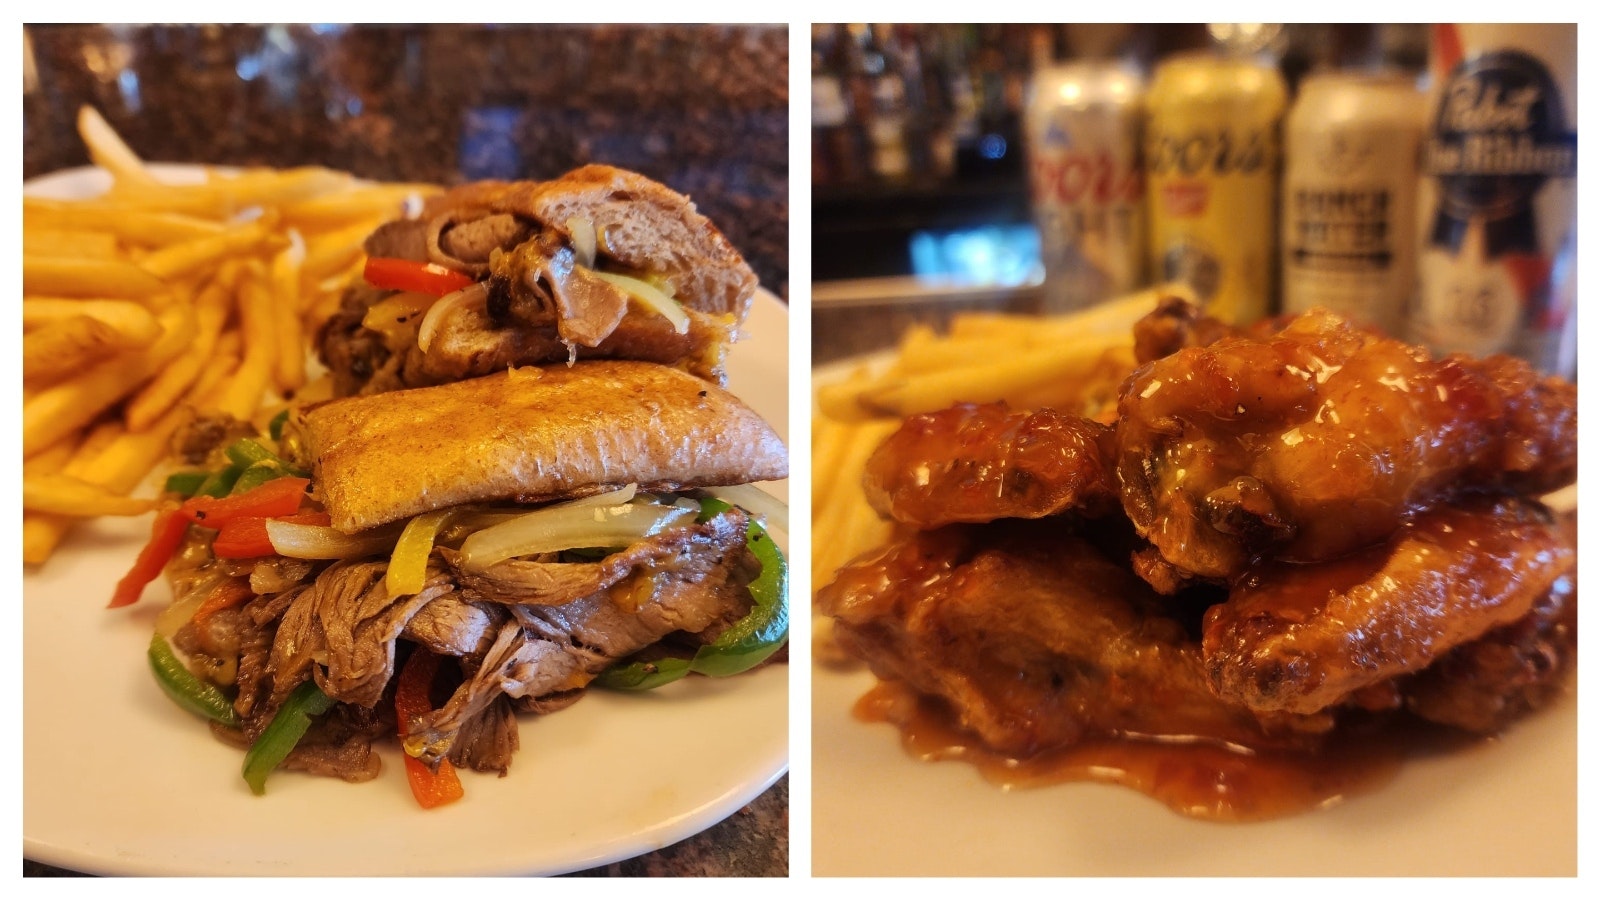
134	322
128	223
52	458
843	524
223	195
289	363
904	395
57	411
65	495
74	277
183	259
362	204
69	242
842	400
70	345
331	252
243	395
108	150
169	385
118	465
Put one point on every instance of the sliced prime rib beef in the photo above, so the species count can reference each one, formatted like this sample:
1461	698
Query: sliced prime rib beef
526	636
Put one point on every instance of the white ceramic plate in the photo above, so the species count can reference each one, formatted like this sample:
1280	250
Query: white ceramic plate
1502	807
118	780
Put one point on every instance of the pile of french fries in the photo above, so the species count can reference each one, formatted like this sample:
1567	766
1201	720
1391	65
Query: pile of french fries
157	302
1071	362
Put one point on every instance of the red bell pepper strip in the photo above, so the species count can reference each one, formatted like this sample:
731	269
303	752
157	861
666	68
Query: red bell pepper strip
278	497
165	538
409	275
230	593
246	536
431	788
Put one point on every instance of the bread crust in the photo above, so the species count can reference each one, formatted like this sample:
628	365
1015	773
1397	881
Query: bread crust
532	435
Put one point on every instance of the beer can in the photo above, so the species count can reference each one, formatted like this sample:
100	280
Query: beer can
1211	160
1499	194
1081	130
1351	163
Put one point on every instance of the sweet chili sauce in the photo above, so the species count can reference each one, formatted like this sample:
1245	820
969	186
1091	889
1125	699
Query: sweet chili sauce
1194	778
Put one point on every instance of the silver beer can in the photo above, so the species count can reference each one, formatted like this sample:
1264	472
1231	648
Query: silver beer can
1349	204
1499	194
1081	130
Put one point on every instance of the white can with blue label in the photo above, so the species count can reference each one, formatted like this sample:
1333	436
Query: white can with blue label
1499	194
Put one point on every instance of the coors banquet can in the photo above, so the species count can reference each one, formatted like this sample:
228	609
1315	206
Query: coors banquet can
1211	161
1081	127
1349	212
1499	194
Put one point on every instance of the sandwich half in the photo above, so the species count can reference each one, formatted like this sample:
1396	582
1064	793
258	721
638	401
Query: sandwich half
526	534
599	263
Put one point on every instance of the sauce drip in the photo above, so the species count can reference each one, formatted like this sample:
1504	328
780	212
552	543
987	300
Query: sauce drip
1195	778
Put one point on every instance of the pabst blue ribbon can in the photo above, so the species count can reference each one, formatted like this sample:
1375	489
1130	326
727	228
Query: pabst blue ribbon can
1211	163
1349	209
1081	128
1499	194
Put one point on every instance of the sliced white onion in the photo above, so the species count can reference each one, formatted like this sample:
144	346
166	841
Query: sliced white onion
444	306
321	542
762	504
564	527
583	240
650	296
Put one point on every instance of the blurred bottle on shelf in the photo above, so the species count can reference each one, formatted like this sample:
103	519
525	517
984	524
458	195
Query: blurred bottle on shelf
1351	147
1499	194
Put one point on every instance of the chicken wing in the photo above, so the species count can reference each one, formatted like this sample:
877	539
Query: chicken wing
1035	640
1301	638
1321	439
978	463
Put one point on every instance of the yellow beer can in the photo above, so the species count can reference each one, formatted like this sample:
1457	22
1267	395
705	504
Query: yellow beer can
1211	163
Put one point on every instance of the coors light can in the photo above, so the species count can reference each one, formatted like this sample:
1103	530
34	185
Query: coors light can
1499	196
1211	157
1081	127
1351	146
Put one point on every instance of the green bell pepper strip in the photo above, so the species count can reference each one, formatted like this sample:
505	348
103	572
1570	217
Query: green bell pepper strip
747	643
256	475
275	427
643	676
185	484
246	452
283	733
185	689
220	482
760	633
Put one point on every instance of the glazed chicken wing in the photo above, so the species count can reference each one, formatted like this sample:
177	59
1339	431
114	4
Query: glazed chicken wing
1300	638
1319	439
977	463
1035	640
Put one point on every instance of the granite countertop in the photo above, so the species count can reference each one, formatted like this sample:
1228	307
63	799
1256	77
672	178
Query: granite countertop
703	109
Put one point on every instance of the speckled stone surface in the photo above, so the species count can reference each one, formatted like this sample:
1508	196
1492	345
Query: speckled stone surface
702	108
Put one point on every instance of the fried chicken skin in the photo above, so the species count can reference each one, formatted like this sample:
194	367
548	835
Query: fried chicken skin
1035	640
978	463
1301	638
1321	438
